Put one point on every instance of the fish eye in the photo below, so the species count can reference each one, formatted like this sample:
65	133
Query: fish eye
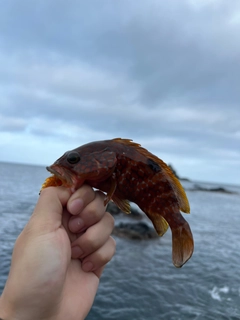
73	157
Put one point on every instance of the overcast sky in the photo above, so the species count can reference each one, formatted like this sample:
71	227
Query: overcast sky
163	73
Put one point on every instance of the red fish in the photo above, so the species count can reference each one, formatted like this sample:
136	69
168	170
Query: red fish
127	172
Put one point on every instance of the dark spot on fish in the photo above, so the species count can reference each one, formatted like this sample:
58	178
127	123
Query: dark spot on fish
153	165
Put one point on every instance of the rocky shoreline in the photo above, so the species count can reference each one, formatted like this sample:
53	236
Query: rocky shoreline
135	231
197	187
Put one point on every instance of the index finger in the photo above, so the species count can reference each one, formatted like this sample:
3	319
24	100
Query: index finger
80	199
87	208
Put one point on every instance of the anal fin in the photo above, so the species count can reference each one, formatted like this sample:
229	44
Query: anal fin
159	223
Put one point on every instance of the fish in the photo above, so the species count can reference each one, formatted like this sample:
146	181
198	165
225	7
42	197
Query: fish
126	172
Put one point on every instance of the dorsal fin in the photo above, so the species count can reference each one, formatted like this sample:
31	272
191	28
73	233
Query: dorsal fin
176	185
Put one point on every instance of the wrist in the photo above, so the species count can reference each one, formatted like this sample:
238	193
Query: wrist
4	314
8	313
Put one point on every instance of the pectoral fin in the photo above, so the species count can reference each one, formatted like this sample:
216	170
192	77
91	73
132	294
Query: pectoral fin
113	186
122	204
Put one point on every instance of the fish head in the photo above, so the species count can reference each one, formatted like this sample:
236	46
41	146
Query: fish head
78	166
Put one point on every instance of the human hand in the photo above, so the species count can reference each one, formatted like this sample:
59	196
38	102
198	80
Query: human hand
49	276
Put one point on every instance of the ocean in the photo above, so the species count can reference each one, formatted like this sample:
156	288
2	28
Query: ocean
140	283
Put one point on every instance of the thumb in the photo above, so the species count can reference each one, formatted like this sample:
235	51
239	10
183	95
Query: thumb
47	215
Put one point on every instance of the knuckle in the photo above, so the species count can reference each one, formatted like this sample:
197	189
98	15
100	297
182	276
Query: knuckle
87	192
91	243
84	192
103	257
92	214
113	244
100	194
106	255
110	219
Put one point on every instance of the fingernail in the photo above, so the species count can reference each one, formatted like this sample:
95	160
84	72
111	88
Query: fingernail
76	206
76	224
76	252
87	266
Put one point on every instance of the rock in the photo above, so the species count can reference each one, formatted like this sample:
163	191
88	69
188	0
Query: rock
176	174
185	179
138	231
173	171
217	189
113	209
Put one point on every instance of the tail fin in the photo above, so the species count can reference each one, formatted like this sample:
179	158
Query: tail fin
182	244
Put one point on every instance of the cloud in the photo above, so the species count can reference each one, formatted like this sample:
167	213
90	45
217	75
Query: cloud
12	124
165	75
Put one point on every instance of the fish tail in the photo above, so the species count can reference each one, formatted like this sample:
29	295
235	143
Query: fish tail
182	244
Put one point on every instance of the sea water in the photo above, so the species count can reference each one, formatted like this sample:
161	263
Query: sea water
140	282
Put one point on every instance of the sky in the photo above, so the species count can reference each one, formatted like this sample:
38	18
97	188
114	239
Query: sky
163	73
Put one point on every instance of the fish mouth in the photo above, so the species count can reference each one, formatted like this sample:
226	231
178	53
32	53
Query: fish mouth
63	174
68	178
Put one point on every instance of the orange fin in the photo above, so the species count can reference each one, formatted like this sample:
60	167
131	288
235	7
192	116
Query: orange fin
122	204
182	245
180	193
160	224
